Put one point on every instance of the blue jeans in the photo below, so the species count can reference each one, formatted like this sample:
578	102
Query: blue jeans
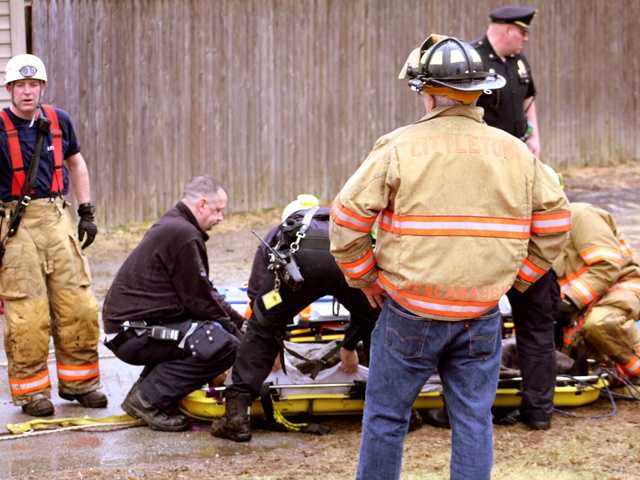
405	351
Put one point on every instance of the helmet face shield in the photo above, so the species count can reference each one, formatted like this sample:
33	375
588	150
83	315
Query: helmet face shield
453	64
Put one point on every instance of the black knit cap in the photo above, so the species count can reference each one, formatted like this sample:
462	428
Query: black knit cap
520	16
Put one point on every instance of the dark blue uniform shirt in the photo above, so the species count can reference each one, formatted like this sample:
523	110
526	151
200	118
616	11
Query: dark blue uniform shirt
504	108
27	137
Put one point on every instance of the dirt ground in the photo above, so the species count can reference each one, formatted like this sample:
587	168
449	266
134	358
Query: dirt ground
581	447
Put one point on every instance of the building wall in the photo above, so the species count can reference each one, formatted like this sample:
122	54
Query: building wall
12	37
278	97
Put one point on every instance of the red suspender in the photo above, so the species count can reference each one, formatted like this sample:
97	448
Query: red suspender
15	155
56	135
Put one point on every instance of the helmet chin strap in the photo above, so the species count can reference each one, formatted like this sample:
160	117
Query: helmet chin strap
38	111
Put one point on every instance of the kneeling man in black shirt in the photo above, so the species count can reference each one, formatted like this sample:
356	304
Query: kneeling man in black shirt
165	312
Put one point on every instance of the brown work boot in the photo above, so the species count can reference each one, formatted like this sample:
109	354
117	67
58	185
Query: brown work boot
137	406
38	407
95	399
236	423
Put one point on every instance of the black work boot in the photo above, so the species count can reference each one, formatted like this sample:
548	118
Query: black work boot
95	399
535	422
137	406
38	407
236	423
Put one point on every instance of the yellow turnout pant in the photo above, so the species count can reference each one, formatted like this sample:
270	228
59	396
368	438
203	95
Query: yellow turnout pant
609	327
45	284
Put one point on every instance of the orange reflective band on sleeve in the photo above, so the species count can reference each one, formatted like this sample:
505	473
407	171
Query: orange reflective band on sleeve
57	184
36	383
582	290
572	276
455	226
343	216
556	222
530	271
632	367
360	267
435	306
76	373
597	254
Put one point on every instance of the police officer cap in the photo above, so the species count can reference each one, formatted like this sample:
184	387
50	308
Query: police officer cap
521	16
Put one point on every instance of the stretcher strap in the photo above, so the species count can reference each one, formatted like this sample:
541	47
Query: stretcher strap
291	426
276	420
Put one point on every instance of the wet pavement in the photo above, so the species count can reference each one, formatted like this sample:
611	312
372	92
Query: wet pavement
41	455
57	451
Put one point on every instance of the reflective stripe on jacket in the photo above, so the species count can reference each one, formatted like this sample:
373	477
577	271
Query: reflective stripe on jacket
596	259
463	211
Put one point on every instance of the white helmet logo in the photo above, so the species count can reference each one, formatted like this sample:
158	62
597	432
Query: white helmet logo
28	71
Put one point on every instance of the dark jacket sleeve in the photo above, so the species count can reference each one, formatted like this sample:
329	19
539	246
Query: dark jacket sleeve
192	285
260	273
531	90
231	312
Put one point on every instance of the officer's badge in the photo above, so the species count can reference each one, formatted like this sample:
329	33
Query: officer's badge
28	71
523	73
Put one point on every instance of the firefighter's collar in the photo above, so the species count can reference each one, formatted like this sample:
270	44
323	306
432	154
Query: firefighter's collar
469	111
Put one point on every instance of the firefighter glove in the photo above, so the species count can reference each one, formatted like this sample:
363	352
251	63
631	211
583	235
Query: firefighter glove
566	312
87	228
567	307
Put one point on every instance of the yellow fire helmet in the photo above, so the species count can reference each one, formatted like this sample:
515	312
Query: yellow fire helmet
25	67
304	201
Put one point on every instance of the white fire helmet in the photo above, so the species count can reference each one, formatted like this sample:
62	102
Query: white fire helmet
303	202
24	67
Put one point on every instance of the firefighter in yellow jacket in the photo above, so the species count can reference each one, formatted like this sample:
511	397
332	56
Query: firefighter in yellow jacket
600	283
44	278
464	211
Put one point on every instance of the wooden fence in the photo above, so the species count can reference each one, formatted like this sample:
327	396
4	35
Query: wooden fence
278	97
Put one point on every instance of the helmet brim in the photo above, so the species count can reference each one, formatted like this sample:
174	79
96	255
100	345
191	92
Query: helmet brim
493	82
